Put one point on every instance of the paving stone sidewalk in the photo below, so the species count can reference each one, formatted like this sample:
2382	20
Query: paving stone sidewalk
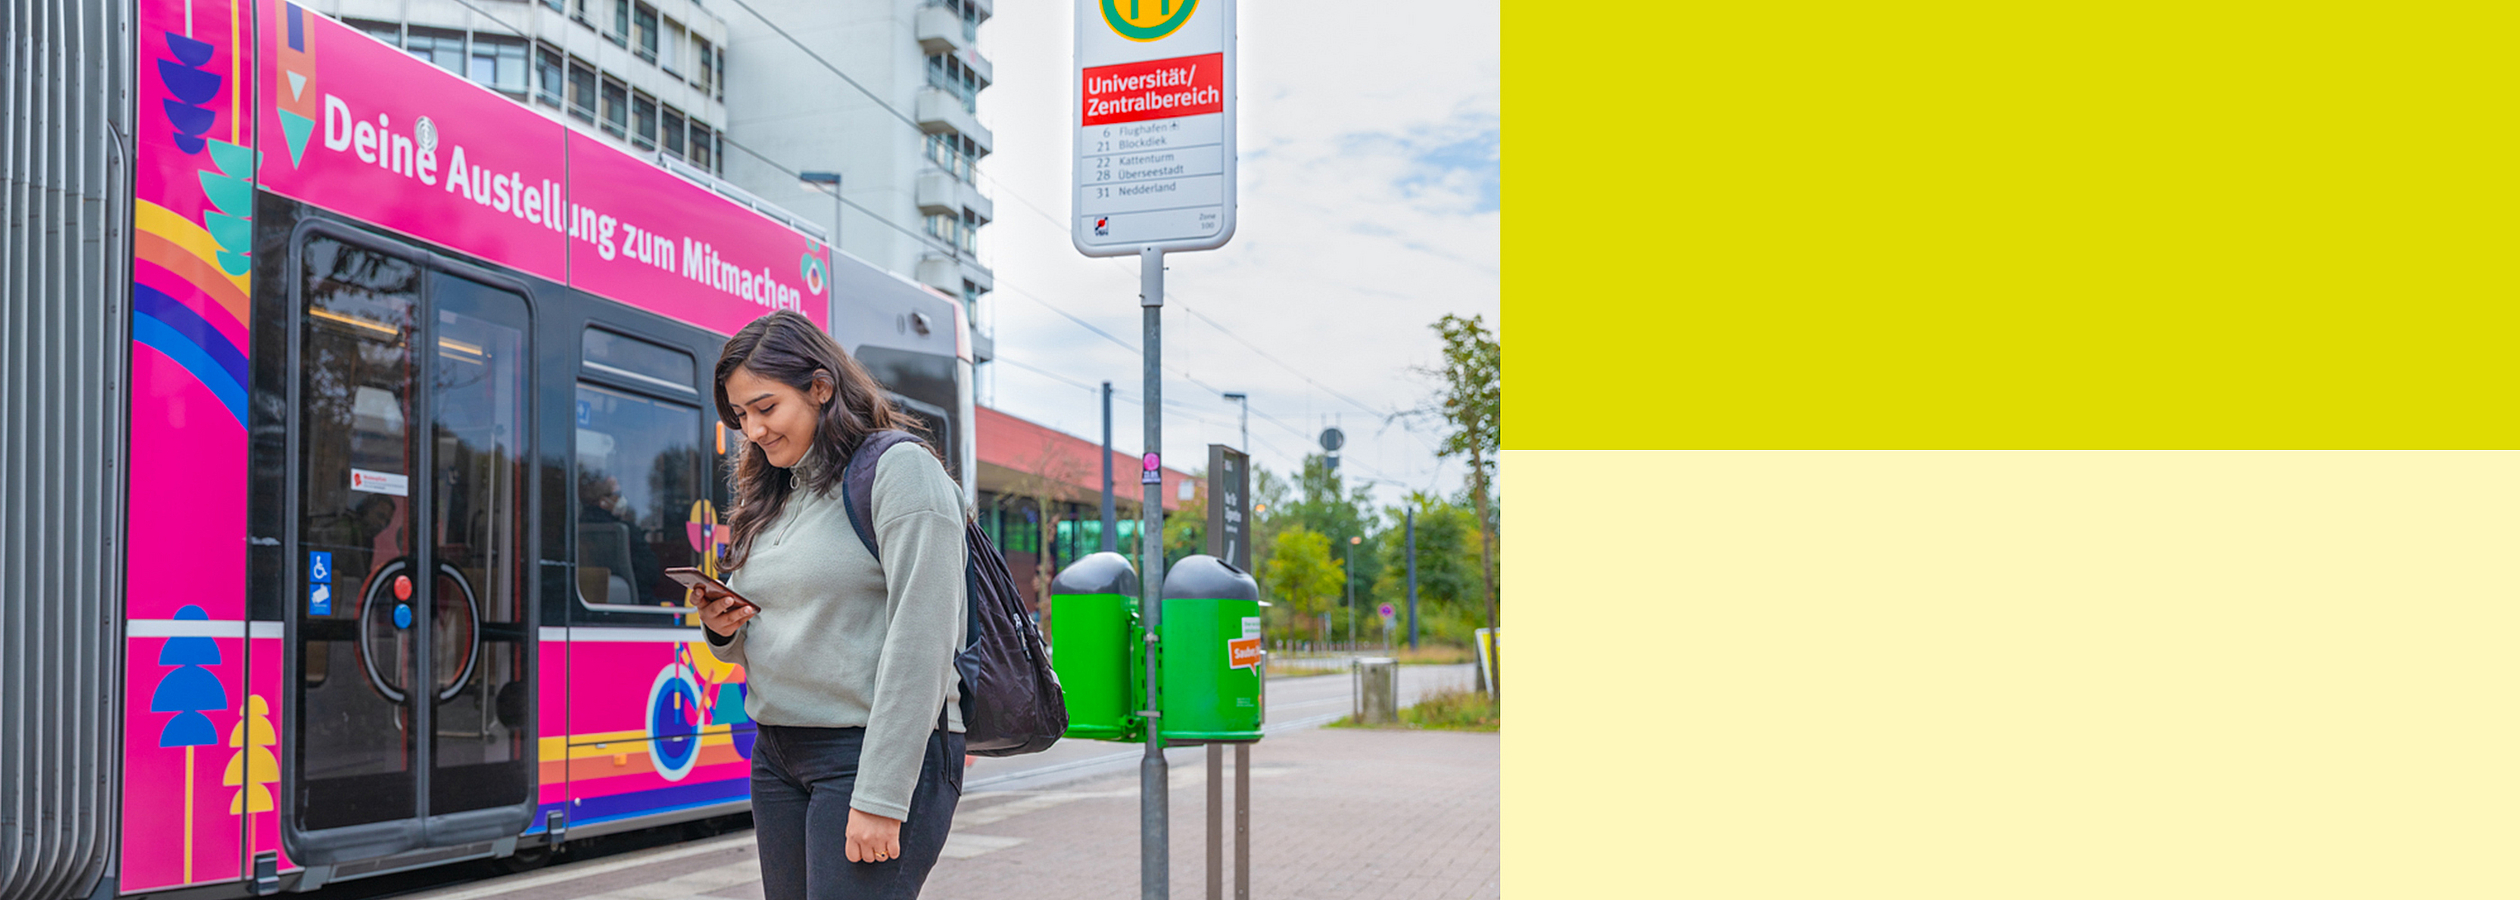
1336	814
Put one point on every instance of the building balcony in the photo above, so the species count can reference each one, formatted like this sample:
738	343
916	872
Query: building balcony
947	273
939	30
940	192
940	111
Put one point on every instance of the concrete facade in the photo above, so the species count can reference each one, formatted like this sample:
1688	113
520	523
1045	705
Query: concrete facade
645	75
905	154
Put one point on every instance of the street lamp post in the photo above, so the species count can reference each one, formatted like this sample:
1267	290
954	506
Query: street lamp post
832	179
1353	540
1245	400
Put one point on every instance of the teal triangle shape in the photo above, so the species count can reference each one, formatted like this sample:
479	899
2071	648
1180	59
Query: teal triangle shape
299	128
297	86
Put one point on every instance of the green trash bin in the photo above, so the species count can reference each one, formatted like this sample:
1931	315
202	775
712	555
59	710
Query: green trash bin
1093	647
1211	652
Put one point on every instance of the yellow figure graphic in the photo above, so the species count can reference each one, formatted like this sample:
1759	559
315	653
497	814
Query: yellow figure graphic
253	766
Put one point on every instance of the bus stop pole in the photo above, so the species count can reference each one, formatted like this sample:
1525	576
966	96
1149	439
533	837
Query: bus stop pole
1154	827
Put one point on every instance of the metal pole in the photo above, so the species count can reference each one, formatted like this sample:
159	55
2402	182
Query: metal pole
1216	821
1351	592
1242	820
1111	516
1154	801
1410	522
837	204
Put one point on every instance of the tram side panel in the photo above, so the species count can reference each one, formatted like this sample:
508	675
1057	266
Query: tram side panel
188	717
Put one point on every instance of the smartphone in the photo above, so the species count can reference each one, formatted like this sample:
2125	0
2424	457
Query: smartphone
709	587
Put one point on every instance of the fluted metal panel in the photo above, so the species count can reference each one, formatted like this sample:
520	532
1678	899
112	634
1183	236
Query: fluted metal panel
65	274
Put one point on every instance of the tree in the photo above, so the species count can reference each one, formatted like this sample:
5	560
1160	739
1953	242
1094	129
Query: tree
1185	528
1449	587
1050	481
1468	400
1302	574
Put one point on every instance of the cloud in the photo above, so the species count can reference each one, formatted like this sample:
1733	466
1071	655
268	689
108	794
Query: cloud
1451	165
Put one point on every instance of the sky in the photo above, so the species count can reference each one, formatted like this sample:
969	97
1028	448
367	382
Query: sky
1368	209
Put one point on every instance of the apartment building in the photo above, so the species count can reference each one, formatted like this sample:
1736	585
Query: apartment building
648	75
904	141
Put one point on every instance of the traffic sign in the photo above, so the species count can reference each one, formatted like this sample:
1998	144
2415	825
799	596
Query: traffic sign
1154	117
1386	610
1332	439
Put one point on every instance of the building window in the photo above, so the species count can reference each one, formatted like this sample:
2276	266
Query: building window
954	153
721	71
577	11
703	146
643	23
499	63
444	49
643	122
945	227
947	72
970	234
616	108
704	69
581	90
558	6
621	23
549	84
389	32
673	131
670	55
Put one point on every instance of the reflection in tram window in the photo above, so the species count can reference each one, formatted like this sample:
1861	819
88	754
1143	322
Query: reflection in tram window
640	469
477	623
356	458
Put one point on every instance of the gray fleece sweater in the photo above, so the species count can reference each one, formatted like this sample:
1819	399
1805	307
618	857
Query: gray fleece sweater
845	641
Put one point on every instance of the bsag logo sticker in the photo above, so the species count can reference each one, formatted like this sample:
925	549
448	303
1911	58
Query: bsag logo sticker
1147	20
1102	226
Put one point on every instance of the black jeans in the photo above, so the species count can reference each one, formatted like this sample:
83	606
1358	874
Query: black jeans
801	781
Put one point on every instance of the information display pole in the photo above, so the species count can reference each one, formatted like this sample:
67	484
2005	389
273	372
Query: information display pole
1155	153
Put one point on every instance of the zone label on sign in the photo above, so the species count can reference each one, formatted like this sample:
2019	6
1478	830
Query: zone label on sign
1154	119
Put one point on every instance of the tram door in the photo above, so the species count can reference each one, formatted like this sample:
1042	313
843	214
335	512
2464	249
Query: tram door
412	709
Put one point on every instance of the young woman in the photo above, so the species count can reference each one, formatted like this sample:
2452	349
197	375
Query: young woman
850	662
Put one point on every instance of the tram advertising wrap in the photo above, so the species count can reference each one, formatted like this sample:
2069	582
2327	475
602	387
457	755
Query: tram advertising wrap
419	414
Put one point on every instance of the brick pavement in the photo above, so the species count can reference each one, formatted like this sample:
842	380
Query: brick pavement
1337	814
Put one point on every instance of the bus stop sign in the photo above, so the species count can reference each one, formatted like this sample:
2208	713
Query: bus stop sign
1154	115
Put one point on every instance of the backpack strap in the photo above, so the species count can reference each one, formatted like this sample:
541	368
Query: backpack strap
857	483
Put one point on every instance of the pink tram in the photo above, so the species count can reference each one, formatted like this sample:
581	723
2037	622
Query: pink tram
419	414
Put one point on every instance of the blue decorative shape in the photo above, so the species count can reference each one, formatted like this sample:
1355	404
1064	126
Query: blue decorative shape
402	615
675	740
194	358
188	325
189	651
189	729
192	52
190	85
192	613
190	119
186	689
297	28
186	142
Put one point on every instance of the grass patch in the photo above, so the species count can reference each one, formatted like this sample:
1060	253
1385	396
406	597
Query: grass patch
1453	709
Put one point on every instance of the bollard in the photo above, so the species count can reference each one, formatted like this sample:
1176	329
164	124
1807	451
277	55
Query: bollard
1377	690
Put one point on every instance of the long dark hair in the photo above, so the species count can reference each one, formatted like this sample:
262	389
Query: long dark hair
785	347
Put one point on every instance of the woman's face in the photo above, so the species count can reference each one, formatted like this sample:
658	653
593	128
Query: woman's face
775	416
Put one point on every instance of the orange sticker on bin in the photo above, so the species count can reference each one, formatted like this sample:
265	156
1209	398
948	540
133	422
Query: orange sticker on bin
1243	653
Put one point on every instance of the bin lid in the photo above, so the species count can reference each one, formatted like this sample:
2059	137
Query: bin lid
1097	573
1206	577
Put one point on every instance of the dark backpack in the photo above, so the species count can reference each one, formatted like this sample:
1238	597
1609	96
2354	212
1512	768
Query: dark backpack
1011	701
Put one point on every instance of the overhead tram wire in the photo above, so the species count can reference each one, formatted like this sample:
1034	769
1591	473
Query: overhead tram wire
1020	199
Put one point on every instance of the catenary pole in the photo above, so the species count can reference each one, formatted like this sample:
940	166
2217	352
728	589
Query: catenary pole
1154	800
1409	522
1111	515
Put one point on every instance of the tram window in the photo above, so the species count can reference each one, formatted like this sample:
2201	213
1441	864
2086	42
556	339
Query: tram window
640	475
478	618
640	362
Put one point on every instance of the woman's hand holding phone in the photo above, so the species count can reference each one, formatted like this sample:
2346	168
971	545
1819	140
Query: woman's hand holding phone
722	614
